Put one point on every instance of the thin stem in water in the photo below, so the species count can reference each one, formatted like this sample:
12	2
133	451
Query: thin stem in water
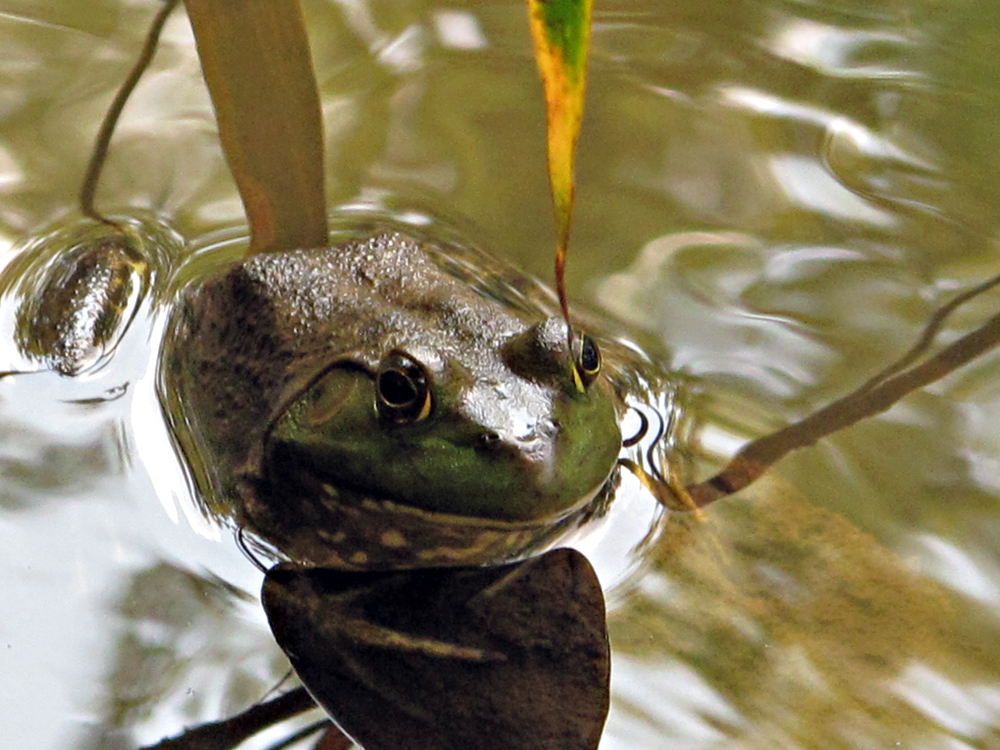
103	142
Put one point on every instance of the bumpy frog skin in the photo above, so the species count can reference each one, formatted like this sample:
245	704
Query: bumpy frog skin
371	406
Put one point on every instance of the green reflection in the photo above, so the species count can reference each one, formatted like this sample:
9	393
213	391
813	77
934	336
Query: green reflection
803	624
184	648
38	468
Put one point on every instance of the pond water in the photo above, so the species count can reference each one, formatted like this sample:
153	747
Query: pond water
777	193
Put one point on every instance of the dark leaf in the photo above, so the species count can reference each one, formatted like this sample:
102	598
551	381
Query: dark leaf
505	658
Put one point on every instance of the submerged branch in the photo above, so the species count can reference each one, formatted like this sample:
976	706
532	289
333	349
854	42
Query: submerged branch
929	332
229	733
875	396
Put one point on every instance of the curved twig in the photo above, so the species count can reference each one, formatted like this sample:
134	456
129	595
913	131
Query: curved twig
229	733
103	141
867	401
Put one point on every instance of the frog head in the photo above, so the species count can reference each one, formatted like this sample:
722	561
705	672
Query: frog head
526	434
380	404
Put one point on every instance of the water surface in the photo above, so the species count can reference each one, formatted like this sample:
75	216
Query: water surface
780	193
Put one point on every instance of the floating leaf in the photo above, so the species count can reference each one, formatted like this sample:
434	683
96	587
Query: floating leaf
561	33
255	59
501	658
85	303
79	284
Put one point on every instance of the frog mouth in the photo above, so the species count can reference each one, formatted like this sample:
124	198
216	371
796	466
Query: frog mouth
314	522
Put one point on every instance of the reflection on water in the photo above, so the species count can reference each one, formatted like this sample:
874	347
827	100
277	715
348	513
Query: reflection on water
781	192
182	655
787	611
38	467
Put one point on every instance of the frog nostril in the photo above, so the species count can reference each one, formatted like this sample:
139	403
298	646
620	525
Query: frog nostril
489	440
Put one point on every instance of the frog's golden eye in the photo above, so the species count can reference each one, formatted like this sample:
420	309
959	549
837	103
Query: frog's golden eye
588	360
402	394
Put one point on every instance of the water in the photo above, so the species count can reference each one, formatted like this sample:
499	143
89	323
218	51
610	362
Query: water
779	192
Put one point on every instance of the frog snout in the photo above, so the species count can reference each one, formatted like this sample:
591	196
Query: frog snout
535	440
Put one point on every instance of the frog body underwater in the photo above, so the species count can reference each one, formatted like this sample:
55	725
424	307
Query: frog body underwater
384	404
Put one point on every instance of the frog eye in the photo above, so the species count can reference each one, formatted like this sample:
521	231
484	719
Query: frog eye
588	361
402	395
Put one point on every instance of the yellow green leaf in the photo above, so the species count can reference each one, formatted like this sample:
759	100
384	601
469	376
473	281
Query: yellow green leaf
561	33
255	58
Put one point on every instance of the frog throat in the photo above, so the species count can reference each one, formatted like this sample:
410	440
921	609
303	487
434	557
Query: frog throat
339	528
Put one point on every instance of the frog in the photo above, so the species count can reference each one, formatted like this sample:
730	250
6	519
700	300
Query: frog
389	403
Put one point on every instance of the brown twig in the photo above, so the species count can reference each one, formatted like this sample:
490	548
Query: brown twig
229	733
103	142
867	401
929	333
